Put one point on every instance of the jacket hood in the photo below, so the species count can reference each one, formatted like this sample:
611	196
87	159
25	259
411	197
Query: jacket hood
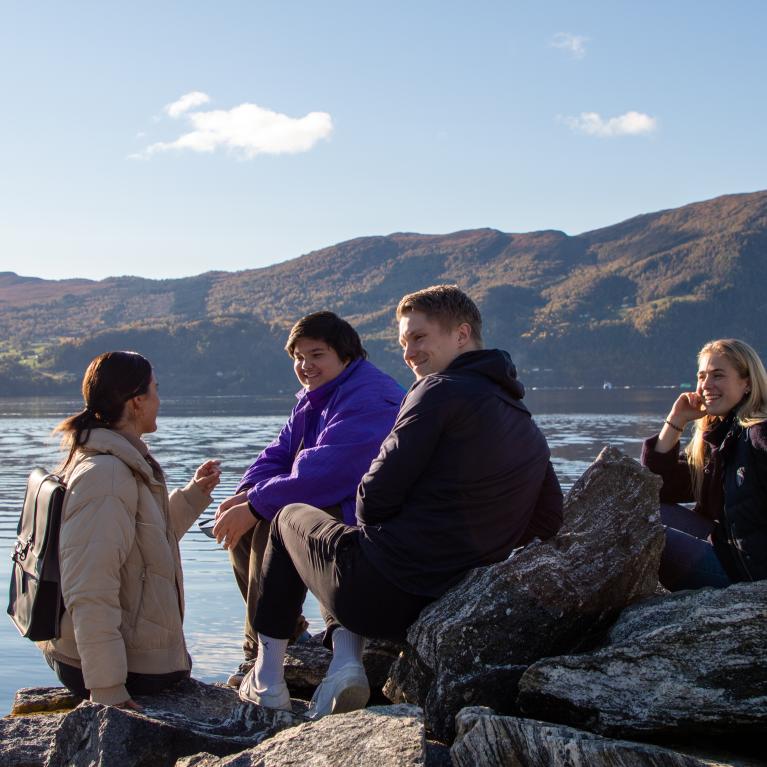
494	364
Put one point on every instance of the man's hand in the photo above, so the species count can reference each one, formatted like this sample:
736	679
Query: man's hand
233	520
232	500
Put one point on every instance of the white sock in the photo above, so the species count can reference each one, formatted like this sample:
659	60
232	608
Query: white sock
269	670
347	648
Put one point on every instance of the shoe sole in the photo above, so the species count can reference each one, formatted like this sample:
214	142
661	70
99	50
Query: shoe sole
351	698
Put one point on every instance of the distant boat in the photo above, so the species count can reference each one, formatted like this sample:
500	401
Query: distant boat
607	385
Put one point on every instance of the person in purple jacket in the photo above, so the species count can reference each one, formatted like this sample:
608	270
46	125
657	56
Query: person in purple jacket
345	409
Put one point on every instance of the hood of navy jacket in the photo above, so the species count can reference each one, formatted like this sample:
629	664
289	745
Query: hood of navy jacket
494	364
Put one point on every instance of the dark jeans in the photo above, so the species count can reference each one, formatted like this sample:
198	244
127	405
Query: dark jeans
689	560
137	684
309	548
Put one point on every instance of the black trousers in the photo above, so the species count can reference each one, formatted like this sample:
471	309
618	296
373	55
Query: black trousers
309	548
137	684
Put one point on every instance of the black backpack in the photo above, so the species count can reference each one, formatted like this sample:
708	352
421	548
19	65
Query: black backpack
35	603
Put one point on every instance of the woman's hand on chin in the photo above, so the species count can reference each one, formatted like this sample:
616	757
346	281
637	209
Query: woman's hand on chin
689	406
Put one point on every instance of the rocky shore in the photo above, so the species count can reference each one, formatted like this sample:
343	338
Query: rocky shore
567	653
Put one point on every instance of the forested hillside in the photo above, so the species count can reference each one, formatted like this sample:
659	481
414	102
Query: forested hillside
630	303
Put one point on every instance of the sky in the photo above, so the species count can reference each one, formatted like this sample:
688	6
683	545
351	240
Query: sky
166	139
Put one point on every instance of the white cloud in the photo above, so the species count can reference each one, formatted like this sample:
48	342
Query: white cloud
186	102
629	124
248	130
575	45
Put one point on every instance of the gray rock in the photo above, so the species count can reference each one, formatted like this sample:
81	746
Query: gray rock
384	736
307	662
483	737
694	662
24	740
191	718
472	645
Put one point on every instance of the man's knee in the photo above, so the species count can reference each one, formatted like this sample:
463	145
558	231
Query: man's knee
290	519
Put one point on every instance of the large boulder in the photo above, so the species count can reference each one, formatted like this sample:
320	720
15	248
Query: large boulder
694	662
471	646
483	737
200	724
385	736
190	718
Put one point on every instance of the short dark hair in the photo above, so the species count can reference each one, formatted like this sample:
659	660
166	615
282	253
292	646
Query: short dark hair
446	304
337	333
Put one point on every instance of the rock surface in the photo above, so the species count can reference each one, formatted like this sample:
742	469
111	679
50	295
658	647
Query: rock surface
693	662
190	718
472	645
24	740
33	700
384	736
483	737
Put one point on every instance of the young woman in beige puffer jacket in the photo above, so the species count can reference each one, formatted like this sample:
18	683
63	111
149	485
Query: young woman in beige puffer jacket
121	633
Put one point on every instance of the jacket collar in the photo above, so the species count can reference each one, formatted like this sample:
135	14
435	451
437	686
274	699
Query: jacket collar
716	435
319	397
130	451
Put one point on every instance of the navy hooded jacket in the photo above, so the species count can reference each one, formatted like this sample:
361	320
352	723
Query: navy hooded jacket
462	479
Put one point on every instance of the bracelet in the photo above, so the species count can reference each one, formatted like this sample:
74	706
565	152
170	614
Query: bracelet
674	426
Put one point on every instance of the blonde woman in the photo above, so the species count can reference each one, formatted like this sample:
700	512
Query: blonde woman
723	540
121	632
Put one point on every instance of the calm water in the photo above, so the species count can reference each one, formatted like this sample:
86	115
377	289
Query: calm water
577	424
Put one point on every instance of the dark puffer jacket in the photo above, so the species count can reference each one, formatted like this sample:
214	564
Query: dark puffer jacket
733	495
463	478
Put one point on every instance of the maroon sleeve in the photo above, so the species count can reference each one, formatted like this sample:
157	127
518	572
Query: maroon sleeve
672	468
547	515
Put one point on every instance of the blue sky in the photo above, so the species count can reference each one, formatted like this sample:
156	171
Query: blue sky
307	123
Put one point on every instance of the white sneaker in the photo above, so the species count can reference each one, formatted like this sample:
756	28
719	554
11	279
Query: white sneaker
276	697
345	690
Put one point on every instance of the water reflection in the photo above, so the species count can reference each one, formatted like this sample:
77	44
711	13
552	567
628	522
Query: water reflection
213	622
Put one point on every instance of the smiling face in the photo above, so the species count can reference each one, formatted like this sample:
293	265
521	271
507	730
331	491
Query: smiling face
427	346
719	384
315	363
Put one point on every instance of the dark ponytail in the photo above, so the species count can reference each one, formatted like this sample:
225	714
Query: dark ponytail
109	382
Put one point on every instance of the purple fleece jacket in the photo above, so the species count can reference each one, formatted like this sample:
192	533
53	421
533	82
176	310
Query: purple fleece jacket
342	424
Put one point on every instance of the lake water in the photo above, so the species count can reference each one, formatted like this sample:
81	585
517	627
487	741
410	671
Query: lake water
577	424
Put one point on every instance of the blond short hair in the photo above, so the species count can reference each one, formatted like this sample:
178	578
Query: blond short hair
447	305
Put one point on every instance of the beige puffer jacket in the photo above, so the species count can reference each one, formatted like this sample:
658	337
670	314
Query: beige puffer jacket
121	567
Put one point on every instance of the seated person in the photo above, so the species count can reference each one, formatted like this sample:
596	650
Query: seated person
121	579
724	470
463	478
345	409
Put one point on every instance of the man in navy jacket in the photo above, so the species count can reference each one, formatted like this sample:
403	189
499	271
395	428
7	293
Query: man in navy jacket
463	478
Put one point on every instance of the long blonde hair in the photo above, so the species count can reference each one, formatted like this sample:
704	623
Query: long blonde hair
752	410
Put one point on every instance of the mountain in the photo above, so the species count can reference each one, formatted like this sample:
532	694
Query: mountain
631	303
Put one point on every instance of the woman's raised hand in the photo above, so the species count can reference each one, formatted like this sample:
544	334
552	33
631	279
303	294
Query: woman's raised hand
688	407
208	475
